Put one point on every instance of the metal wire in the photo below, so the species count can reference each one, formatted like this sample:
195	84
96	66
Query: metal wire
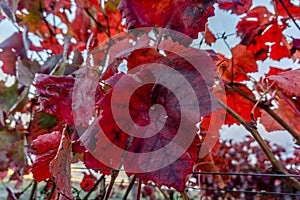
219	173
247	174
262	192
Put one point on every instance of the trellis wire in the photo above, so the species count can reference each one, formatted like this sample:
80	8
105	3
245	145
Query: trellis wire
247	174
262	192
219	173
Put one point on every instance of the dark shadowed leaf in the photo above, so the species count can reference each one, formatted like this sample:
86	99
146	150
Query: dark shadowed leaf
288	82
8	97
236	6
55	96
10	50
188	17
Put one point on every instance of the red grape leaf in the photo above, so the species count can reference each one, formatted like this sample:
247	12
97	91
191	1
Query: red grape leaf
236	6
209	36
275	71
214	163
173	175
188	17
3	175
60	166
243	62
91	162
210	126
88	182
256	20
233	99
10	49
288	82
286	112
271	34
293	9
141	101
279	51
45	148
55	96
43	123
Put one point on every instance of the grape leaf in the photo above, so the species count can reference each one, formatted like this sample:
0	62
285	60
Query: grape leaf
256	20
287	82
232	99
293	9
286	112
45	148
10	49
236	6
279	51
43	123
60	166
242	62
209	36
188	17
214	163
88	182
141	101
91	162
275	71
55	96
26	70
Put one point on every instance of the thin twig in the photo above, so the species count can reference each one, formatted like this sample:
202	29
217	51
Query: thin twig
102	189
277	118
27	187
114	175
93	188
258	101
275	163
129	188
289	14
100	26
51	191
162	192
184	195
138	194
33	190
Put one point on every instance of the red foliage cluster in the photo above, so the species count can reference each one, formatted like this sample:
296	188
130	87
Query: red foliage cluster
67	30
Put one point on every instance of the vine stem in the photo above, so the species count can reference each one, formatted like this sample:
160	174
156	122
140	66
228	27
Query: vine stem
162	192
138	194
277	118
114	175
93	188
52	191
33	190
184	195
275	163
129	188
